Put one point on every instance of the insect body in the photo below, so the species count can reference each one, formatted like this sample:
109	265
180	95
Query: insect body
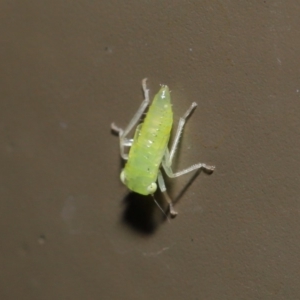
149	147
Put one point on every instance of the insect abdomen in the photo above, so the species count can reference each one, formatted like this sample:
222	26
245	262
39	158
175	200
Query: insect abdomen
150	143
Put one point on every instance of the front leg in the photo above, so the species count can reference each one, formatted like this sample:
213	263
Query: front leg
162	187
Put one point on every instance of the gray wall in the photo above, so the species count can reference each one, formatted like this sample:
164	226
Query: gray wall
68	227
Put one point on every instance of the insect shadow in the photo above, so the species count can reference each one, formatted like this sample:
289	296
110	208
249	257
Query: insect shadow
142	214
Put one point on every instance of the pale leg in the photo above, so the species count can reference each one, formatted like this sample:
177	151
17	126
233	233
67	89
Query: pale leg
168	157
124	142
162	187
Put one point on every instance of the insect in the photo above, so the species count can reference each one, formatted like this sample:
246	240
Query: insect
149	146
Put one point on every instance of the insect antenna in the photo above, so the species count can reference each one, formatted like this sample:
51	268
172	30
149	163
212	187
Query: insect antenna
160	207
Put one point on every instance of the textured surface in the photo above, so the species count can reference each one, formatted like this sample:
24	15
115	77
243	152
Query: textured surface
69	229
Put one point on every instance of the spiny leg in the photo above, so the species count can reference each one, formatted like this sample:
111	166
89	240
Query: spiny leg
162	187
179	130
168	157
124	142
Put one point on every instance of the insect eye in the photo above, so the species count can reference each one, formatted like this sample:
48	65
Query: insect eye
122	176
152	188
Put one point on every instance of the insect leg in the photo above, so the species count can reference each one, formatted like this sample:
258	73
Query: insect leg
124	142
179	130
162	187
168	157
168	169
